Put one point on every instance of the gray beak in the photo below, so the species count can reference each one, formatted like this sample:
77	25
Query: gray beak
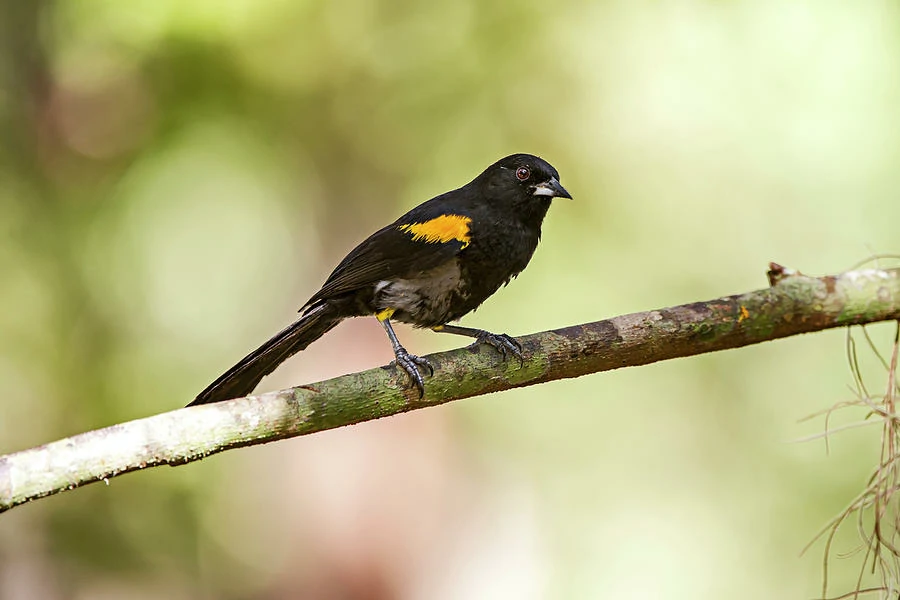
552	188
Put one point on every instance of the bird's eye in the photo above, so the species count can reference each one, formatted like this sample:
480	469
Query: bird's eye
523	173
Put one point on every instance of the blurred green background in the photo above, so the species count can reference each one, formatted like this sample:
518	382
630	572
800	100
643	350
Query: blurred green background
178	177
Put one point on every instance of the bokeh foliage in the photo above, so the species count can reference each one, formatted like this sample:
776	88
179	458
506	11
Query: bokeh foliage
176	178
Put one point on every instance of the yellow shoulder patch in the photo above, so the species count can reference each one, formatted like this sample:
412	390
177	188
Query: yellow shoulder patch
445	228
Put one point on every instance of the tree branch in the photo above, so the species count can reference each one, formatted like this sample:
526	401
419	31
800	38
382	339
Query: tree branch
793	304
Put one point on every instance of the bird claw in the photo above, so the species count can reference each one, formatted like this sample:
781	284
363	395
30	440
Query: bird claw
504	344
411	363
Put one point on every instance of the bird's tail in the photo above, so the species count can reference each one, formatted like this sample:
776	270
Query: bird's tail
243	377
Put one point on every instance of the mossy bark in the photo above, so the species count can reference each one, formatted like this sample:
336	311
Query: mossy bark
793	304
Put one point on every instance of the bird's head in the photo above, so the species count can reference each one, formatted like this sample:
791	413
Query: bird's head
524	181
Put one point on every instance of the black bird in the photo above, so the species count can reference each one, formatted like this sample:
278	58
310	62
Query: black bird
428	268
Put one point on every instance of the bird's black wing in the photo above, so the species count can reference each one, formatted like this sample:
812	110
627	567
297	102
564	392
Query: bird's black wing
424	238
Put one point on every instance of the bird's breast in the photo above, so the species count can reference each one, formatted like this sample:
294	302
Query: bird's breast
498	253
494	255
428	299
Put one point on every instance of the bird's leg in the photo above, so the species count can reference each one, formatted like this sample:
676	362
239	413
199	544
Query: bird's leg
503	343
406	361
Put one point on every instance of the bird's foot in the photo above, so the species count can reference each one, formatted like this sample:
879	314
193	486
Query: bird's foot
411	363
504	344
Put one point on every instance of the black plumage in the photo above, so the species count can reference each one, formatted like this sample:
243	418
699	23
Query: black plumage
428	268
